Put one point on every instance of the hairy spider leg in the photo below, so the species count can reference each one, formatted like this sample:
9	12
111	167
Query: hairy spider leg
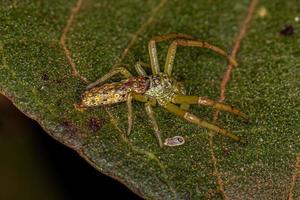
113	72
200	122
138	97
191	43
139	68
130	113
140	71
178	99
153	121
153	52
148	107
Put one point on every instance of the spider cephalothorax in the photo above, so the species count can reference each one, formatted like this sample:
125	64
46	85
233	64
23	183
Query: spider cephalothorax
163	88
160	88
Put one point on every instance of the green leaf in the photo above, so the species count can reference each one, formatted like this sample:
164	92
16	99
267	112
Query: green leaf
36	38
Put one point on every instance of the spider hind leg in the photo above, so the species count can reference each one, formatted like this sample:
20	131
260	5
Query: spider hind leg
192	43
153	52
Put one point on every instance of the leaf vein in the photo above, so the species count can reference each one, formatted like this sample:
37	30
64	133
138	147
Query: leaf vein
225	80
294	178
142	28
66	30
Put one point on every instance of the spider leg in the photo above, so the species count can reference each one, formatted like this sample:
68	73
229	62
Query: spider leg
151	116
139	68
153	52
191	43
200	122
138	97
185	106
178	99
148	107
113	72
130	114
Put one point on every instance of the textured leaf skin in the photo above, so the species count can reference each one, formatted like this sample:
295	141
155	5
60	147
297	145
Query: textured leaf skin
36	75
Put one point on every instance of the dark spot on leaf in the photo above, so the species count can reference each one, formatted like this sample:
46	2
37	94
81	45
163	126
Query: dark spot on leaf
288	30
94	124
45	77
226	152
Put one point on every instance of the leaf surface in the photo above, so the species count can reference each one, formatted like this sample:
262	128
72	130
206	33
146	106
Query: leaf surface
42	43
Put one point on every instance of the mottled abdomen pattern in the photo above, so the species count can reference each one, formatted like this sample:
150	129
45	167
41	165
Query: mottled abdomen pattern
112	93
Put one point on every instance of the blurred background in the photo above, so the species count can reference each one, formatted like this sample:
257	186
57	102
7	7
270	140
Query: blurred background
34	166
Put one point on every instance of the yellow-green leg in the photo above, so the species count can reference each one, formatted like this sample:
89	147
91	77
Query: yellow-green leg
151	116
200	122
148	103
138	97
130	97
113	72
191	43
153	52
130	113
139	68
208	102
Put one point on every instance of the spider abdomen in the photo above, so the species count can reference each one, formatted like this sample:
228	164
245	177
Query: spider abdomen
112	93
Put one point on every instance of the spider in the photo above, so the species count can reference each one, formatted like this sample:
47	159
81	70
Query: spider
158	89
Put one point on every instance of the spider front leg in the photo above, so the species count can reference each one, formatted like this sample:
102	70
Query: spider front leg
200	122
178	99
191	43
153	52
113	72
